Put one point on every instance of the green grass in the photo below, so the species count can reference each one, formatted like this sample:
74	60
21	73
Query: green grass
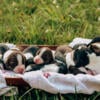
51	23
48	22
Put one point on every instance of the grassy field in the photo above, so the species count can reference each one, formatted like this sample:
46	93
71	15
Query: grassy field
49	22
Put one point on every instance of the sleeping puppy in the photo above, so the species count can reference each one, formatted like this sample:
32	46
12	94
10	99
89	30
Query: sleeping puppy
14	60
87	58
30	53
36	55
44	56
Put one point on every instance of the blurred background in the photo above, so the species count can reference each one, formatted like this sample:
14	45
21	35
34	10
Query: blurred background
49	22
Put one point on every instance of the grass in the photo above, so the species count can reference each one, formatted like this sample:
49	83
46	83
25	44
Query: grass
49	22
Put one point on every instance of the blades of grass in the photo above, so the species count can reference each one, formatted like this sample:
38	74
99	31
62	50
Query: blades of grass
97	96
37	95
20	98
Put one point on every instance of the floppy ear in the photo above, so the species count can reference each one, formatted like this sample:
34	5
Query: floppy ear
96	48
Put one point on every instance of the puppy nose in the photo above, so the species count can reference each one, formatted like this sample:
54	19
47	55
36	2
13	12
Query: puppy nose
19	69
36	60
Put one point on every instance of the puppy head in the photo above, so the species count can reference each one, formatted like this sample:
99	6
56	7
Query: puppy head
14	61
61	51
44	56
95	47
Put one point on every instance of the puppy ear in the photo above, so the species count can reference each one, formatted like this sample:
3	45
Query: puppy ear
96	47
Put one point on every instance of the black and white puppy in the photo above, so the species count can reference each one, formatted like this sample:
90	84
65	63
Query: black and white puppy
87	58
14	60
44	55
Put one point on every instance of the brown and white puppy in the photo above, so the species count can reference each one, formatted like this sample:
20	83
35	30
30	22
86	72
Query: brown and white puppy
44	56
14	61
87	58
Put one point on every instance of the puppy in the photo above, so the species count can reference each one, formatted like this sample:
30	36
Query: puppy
44	56
88	58
14	60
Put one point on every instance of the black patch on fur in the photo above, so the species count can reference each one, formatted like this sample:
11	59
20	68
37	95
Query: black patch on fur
47	55
75	71
12	61
3	49
81	58
32	50
94	40
29	61
62	68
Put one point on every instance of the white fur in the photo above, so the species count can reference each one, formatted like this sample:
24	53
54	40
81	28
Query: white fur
0	56
28	68
53	53
69	59
94	63
50	68
96	44
19	59
6	54
28	55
